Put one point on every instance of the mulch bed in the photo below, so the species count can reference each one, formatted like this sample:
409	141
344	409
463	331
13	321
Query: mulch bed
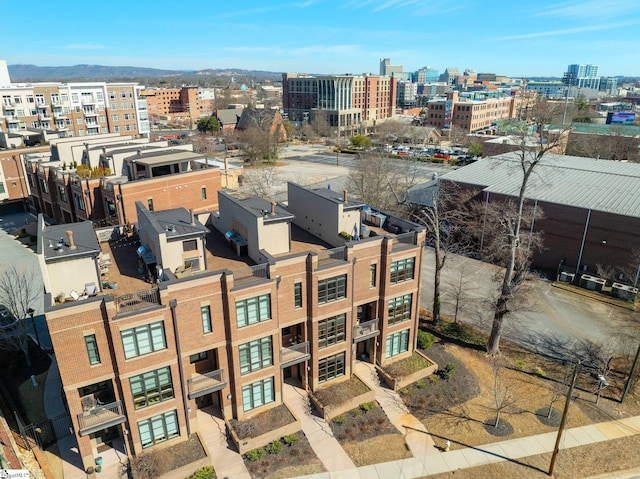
551	420
262	423
292	460
341	392
155	463
360	425
503	429
434	395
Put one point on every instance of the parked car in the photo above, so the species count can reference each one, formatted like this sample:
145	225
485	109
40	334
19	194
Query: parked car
442	155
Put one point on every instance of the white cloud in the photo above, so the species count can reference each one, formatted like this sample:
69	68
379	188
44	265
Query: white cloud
567	31
588	9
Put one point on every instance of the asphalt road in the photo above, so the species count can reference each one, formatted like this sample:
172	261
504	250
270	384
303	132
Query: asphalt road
558	322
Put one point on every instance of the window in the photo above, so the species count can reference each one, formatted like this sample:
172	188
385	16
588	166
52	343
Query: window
150	204
78	200
332	289
402	270
158	428
116	129
152	387
397	343
205	313
113	106
190	245
92	349
115	118
297	295
79	121
203	193
331	331
331	367
253	310
143	340
196	358
256	355
62	193
400	309
372	275
257	394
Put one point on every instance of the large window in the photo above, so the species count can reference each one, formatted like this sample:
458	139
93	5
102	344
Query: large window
92	349
205	312
332	289
400	309
402	270
152	387
143	340
331	331
331	367
253	310
257	394
397	343
158	428
256	355
372	275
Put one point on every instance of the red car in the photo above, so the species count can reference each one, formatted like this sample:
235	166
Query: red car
442	155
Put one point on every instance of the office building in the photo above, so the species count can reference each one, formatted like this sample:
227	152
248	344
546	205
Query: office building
186	103
584	76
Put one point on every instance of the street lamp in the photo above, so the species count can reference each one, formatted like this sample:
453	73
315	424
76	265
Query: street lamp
338	147
31	312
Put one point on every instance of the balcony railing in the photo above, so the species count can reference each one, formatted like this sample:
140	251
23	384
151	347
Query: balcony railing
294	354
331	255
101	417
126	303
206	383
405	238
365	330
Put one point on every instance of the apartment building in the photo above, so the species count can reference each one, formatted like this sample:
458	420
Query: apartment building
187	102
268	293
471	115
101	178
72	109
346	103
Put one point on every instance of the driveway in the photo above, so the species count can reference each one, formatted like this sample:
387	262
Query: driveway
558	320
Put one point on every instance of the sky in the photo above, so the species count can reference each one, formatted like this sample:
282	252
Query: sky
514	38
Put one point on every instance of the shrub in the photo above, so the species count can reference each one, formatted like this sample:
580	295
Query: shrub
425	339
519	364
207	472
367	406
448	371
255	454
291	439
356	412
341	419
434	378
274	447
421	384
345	235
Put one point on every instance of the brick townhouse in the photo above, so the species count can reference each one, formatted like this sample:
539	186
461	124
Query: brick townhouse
267	293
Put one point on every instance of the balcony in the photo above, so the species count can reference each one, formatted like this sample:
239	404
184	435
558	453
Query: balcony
206	383
91	112
101	417
58	114
331	255
13	119
126	303
365	330
9	105
294	354
44	116
87	100
251	274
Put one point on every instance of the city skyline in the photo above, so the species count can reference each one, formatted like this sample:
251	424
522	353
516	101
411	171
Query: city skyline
326	36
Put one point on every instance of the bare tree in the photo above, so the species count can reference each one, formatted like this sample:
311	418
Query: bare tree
18	294
517	252
557	390
382	182
459	289
503	390
443	220
263	181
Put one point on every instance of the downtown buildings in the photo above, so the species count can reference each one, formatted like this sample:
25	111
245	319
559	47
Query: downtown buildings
267	293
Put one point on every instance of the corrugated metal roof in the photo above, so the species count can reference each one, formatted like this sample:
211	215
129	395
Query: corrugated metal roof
601	185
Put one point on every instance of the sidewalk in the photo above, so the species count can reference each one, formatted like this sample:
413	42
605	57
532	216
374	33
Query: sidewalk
514	449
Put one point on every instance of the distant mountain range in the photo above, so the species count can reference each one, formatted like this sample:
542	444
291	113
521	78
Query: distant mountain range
34	73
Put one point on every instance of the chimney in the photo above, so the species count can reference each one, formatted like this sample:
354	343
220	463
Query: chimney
273	208
193	217
72	245
345	196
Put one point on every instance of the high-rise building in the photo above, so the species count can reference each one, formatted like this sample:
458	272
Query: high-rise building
387	69
187	102
584	76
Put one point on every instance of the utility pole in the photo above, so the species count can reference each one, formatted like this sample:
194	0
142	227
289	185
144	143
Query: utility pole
563	422
627	385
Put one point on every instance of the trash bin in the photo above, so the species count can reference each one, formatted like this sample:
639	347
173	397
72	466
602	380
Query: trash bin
99	461
98	469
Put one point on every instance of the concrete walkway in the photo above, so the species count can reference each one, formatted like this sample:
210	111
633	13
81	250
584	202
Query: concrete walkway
227	462
435	463
416	436
319	434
